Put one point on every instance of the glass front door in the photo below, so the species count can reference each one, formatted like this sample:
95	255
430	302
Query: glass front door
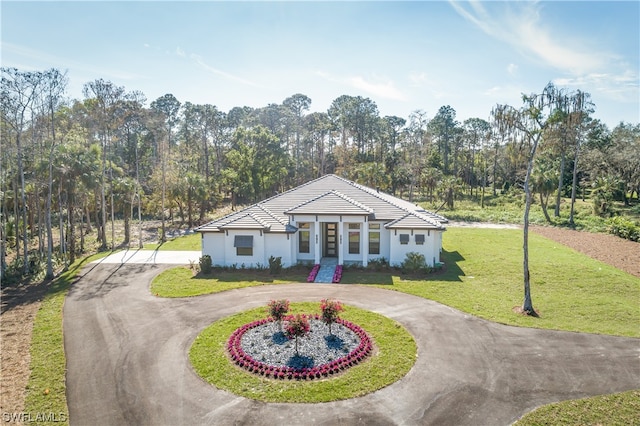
330	248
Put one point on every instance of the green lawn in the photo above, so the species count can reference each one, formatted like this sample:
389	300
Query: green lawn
617	409
181	282
187	242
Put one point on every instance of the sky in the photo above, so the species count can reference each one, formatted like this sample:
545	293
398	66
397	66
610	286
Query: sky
404	56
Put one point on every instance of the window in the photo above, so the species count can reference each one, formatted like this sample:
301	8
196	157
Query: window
243	245
244	251
374	238
419	239
354	238
304	237
404	238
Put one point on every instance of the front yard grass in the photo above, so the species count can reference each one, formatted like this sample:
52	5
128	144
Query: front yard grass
181	281
186	242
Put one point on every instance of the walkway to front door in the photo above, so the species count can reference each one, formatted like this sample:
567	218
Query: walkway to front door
327	269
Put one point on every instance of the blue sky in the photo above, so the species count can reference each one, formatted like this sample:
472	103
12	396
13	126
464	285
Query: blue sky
405	56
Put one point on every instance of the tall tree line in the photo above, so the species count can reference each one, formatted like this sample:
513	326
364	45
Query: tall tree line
70	166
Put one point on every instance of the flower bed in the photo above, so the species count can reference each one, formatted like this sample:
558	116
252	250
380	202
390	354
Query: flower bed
281	372
314	272
337	275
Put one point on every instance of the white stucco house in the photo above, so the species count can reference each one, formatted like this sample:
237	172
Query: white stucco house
329	217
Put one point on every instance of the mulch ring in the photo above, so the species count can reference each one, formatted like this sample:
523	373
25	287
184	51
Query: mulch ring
615	251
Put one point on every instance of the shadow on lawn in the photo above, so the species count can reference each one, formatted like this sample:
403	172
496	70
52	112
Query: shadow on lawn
451	272
295	274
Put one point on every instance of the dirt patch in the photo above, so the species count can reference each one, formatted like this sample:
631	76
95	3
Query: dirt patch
17	325
615	251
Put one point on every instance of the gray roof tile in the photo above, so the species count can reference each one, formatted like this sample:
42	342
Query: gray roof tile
329	194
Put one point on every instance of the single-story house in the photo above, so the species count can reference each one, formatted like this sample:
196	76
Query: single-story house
326	217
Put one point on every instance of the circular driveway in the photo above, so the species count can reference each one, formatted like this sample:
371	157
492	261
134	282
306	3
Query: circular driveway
127	359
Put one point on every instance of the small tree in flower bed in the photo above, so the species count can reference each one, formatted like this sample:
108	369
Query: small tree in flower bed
297	326
278	309
330	310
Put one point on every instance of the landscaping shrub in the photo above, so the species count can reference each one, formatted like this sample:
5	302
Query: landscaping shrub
205	264
275	265
379	264
414	263
624	228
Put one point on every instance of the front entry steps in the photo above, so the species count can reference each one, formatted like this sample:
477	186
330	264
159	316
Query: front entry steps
327	270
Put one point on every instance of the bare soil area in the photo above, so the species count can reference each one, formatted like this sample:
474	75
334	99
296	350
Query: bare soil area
615	251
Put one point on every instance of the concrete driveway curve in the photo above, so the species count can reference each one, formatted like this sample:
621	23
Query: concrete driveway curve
127	360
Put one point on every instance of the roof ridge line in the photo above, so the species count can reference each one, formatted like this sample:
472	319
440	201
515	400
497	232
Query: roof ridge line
350	200
376	194
270	213
293	189
309	200
257	219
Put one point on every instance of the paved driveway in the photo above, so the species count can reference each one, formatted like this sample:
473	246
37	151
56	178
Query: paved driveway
127	360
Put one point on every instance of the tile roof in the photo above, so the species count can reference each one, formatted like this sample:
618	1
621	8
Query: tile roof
329	194
332	202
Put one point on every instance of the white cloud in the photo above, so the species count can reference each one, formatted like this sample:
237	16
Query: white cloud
519	25
622	87
200	61
384	90
381	89
578	57
418	79
180	52
512	69
48	60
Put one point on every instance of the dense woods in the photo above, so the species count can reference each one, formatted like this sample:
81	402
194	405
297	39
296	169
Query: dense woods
71	166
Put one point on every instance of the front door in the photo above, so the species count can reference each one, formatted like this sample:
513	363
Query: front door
330	239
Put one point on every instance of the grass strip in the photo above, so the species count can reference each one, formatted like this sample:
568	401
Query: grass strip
615	409
185	243
395	354
46	399
180	281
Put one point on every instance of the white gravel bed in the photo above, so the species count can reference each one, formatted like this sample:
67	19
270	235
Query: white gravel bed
268	344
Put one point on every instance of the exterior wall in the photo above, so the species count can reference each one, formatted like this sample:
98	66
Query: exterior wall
223	253
430	249
278	245
248	261
213	244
